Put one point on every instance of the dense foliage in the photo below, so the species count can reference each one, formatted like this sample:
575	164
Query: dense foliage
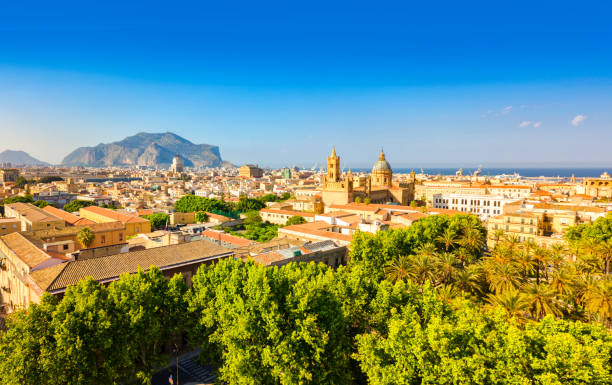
76	205
95	334
49	179
256	229
425	306
158	220
193	203
41	203
295	220
201	217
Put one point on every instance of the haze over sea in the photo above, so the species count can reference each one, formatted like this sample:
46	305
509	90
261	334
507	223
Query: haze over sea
525	172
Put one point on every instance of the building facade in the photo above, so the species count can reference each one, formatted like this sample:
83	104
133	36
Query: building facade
377	187
250	171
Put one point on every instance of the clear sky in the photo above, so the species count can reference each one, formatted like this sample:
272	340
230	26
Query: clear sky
434	83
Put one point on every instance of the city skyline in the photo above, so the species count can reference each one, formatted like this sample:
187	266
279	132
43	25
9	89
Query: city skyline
523	86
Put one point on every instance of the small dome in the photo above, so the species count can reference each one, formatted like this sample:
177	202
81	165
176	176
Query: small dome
382	164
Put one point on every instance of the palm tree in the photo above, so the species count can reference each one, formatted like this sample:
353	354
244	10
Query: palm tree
513	241
503	277
472	239
598	300
542	300
498	235
513	302
447	263
85	236
540	257
525	263
563	281
428	248
447	293
423	268
558	255
448	238
605	253
399	269
468	279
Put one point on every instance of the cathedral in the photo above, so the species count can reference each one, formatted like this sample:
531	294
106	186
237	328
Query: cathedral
378	186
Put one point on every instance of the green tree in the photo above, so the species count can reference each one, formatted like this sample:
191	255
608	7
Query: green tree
27	347
295	220
49	179
367	200
249	204
150	310
201	217
158	220
41	204
258	322
85	237
77	204
252	217
357	199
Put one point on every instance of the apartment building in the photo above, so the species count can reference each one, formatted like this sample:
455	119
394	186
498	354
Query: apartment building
32	217
133	224
483	205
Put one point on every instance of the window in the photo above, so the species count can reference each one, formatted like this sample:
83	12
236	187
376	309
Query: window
103	239
65	247
120	237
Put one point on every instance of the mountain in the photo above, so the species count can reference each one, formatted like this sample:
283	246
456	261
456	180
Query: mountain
20	158
145	149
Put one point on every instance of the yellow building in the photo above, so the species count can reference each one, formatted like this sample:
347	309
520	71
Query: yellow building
250	171
32	217
378	187
9	225
9	175
598	187
280	217
182	218
133	224
22	258
540	222
105	234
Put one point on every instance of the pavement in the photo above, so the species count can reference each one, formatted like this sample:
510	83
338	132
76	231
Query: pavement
190	371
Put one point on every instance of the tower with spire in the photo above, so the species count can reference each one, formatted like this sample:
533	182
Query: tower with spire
333	167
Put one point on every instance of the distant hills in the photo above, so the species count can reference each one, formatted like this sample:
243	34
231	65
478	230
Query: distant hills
20	158
146	149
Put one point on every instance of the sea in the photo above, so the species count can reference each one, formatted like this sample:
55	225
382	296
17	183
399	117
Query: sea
560	173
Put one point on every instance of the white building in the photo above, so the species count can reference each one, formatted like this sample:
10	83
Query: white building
177	164
483	205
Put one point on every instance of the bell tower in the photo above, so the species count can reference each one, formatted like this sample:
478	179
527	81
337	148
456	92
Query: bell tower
333	167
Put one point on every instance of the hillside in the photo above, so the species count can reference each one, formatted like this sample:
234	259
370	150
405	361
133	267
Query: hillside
146	149
20	158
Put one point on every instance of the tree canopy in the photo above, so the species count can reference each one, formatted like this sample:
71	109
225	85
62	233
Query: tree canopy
77	204
158	220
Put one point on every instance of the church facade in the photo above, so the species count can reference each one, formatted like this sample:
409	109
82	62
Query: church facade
378	187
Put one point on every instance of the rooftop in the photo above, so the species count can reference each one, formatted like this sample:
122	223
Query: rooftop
69	218
108	213
109	268
32	213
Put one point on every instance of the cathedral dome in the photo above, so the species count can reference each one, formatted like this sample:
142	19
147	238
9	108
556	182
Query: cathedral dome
382	164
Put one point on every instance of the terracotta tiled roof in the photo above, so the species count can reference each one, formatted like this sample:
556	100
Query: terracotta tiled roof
288	212
45	277
227	238
109	268
26	248
124	218
67	217
33	213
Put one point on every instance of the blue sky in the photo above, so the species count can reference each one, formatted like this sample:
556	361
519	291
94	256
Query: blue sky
443	83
